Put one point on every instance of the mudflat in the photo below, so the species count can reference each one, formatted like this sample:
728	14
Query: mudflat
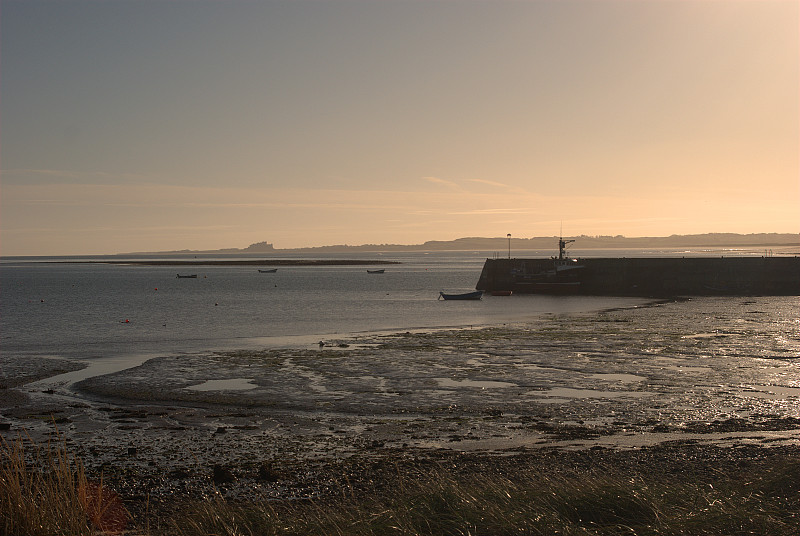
649	388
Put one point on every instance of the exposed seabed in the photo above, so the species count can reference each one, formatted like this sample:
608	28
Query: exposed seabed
716	372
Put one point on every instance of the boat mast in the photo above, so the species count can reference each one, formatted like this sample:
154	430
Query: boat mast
562	245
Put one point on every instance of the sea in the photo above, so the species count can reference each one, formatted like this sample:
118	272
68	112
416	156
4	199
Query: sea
82	308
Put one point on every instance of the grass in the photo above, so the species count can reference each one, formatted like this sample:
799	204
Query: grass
607	502
45	492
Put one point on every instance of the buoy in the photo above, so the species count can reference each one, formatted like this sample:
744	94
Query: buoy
127	321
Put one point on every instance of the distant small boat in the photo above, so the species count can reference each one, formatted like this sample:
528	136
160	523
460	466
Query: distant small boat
191	276
500	293
476	295
378	271
270	271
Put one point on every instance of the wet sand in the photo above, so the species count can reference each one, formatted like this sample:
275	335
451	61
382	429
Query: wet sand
631	386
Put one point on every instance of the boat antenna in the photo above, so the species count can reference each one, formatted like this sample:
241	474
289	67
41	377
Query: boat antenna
562	246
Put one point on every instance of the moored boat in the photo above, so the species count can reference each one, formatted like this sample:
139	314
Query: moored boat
188	276
563	277
268	271
378	271
475	295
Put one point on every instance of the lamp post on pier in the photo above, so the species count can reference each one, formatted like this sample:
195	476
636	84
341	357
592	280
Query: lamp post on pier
509	245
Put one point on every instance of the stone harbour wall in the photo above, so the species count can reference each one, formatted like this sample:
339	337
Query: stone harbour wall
734	276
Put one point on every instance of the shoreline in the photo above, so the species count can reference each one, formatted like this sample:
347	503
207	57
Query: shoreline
345	339
232	262
571	389
75	369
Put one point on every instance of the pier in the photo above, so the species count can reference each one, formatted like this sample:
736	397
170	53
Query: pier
659	277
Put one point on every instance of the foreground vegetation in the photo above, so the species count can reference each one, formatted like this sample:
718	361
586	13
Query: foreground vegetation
43	491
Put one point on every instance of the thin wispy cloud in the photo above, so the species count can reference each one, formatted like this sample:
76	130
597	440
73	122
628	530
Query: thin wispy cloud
443	182
126	228
490	183
26	176
487	211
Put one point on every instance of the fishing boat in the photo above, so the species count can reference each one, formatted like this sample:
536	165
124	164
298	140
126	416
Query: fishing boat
562	277
188	276
268	271
378	271
476	295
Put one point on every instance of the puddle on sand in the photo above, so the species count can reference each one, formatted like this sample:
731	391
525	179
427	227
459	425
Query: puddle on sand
567	392
233	384
624	378
705	336
680	368
771	392
447	382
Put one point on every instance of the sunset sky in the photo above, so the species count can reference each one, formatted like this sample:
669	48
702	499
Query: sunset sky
148	125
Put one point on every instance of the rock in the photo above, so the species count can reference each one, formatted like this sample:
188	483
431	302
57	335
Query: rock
267	473
223	475
179	474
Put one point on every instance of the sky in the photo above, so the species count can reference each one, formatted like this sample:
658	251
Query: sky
153	125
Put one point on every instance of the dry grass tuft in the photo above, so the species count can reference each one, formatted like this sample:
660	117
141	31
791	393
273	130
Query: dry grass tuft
43	491
606	502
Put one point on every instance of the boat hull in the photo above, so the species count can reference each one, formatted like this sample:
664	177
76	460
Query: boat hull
466	296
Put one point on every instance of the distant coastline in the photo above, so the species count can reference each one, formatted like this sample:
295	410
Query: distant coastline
239	262
716	240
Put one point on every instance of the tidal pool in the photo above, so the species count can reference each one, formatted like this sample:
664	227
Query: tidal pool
232	384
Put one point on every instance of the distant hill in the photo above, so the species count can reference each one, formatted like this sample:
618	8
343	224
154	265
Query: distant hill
581	242
548	243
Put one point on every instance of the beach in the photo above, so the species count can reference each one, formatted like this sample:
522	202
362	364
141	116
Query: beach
623	384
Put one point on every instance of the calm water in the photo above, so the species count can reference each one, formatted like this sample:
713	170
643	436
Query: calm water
87	311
